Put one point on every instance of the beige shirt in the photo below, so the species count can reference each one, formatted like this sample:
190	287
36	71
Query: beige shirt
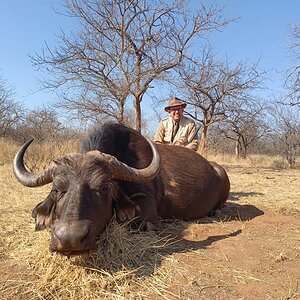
184	136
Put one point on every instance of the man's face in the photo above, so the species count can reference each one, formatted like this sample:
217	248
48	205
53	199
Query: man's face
176	113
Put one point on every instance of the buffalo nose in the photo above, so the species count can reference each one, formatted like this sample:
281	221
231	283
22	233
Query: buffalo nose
69	237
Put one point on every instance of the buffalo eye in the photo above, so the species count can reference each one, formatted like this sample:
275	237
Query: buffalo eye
60	195
57	193
100	192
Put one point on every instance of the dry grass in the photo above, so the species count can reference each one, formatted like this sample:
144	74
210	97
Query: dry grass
253	252
122	267
274	162
8	149
38	155
277	190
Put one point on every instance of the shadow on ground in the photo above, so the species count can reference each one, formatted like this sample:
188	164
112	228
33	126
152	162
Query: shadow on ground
243	212
175	232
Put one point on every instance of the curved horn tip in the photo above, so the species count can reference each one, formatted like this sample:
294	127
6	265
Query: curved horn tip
23	175
20	154
125	172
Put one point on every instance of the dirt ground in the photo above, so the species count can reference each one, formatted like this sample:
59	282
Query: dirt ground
250	251
239	259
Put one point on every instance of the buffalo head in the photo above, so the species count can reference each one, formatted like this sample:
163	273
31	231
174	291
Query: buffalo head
79	205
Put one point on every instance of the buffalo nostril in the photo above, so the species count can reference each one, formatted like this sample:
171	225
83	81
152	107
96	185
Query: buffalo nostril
70	237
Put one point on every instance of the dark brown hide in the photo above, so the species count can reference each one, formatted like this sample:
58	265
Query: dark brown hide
193	187
224	191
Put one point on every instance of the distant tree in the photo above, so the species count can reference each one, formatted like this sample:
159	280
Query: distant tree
41	124
120	48
293	75
217	89
286	130
245	126
11	112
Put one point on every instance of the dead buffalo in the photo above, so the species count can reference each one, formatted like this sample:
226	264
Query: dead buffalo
118	170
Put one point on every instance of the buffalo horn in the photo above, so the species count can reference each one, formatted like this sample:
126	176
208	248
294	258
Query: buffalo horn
122	171
27	178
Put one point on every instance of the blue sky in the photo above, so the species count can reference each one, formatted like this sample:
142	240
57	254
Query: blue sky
260	32
25	26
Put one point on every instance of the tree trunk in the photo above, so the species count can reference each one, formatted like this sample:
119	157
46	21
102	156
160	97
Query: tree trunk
121	113
137	113
203	137
237	149
291	155
244	152
243	147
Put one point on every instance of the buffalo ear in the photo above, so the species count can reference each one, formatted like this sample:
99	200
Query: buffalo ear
124	207
42	213
42	222
124	214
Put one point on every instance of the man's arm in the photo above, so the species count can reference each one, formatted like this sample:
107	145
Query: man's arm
193	138
160	133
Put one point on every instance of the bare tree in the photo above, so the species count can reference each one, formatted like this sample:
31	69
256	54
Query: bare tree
41	124
120	48
292	81
244	126
286	130
216	88
11	112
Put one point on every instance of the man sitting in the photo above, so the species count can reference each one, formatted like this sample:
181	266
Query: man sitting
177	129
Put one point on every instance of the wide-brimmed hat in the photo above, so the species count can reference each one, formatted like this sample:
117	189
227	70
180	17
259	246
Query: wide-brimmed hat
175	102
